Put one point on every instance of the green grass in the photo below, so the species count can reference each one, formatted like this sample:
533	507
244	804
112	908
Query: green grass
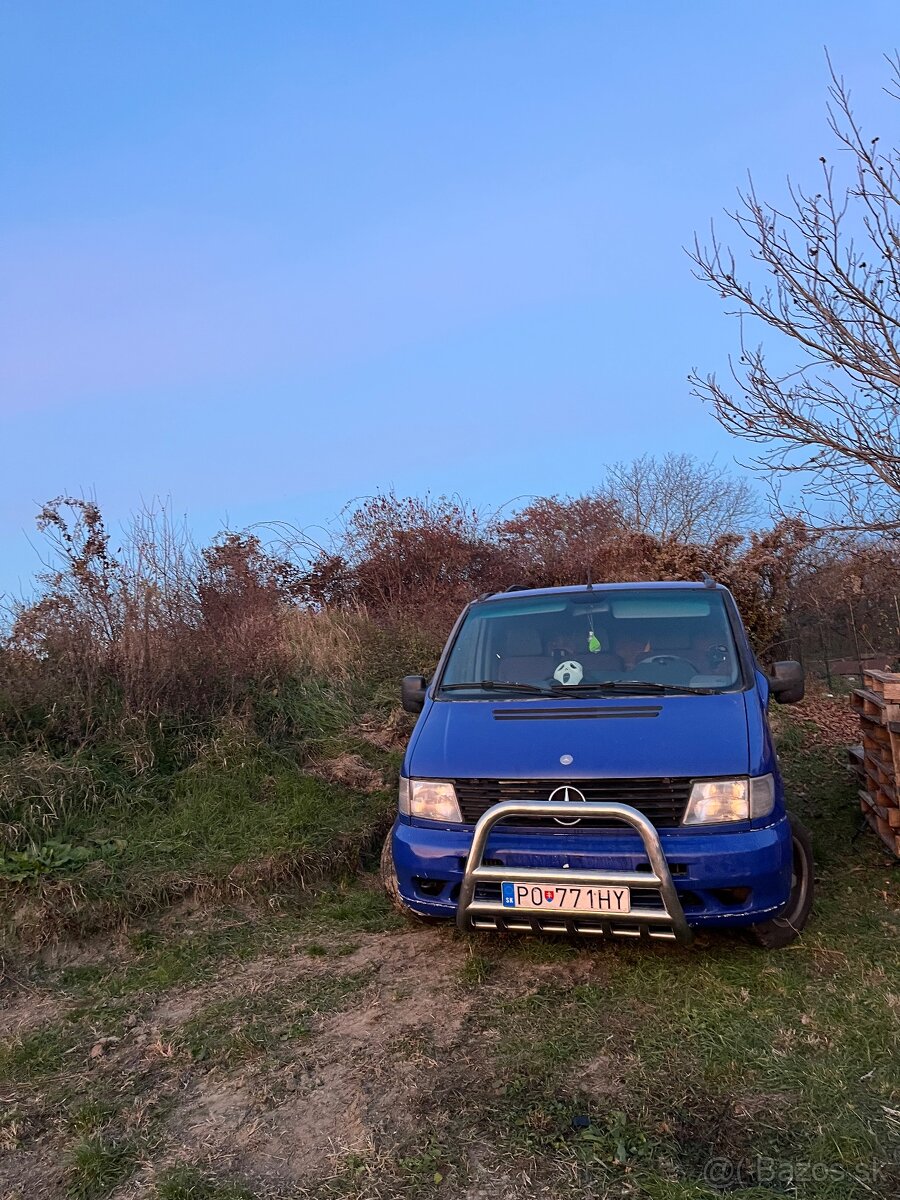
249	825
215	819
265	1024
91	1116
161	961
430	1166
187	1183
156	961
159	810
39	1054
98	1164
347	907
260	816
804	1040
477	968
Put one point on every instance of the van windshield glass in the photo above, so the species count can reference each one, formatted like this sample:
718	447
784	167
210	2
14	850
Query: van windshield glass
581	641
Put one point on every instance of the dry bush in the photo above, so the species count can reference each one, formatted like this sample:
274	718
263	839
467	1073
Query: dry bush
127	645
156	627
764	578
847	590
555	541
326	642
559	541
419	558
413	564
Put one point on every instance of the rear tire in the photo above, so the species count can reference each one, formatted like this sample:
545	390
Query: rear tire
788	925
392	886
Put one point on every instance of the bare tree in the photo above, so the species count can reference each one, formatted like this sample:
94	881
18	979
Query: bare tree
832	267
678	497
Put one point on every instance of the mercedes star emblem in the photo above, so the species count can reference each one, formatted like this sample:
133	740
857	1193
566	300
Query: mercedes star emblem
569	795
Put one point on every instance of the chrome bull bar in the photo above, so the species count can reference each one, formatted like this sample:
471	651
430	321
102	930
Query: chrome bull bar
666	923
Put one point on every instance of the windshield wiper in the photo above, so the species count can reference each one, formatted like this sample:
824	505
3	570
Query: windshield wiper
496	685
631	685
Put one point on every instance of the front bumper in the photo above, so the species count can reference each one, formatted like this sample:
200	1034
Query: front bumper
721	877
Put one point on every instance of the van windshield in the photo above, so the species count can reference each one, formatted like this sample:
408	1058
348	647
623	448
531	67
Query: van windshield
623	639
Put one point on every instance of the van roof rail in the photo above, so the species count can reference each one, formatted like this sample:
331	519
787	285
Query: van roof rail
517	587
708	580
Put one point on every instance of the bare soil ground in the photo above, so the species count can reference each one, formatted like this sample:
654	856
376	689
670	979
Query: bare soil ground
362	1046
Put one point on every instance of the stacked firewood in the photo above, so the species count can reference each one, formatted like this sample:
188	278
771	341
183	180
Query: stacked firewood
877	760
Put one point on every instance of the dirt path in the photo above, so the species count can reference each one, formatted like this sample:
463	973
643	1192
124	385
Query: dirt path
305	1069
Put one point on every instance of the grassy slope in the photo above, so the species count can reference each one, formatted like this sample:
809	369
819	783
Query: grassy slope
538	1067
241	818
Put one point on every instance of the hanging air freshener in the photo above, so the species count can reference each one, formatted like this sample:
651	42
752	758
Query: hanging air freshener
593	640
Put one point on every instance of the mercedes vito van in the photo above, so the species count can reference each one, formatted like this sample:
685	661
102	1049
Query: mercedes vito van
597	760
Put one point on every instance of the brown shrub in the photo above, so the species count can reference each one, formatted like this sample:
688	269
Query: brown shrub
405	557
413	564
158	631
556	541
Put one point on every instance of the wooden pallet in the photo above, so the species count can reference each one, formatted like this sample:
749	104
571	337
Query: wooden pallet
882	778
874	706
884	683
876	763
884	803
874	814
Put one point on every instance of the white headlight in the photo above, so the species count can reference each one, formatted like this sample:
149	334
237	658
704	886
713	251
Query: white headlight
432	799
716	800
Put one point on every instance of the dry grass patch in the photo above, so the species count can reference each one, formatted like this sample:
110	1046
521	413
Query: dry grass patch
349	770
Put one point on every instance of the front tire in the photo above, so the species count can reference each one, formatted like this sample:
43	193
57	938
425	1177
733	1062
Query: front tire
392	885
788	925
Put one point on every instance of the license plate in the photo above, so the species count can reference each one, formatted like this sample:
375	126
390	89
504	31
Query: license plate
565	898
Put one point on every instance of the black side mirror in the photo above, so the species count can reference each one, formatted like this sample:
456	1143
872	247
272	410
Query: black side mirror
412	692
787	682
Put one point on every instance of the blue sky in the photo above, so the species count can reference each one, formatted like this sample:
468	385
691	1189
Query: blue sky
263	258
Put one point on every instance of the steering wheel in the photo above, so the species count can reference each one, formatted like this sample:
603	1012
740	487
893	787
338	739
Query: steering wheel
664	660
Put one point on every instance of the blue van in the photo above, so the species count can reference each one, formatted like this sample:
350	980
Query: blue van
596	760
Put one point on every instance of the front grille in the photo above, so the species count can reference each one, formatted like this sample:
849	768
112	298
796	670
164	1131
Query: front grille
662	801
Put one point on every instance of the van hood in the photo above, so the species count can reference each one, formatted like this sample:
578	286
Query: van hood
615	738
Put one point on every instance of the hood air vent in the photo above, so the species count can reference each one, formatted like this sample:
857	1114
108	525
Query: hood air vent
592	713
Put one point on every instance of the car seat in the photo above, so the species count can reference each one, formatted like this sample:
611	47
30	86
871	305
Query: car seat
523	659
